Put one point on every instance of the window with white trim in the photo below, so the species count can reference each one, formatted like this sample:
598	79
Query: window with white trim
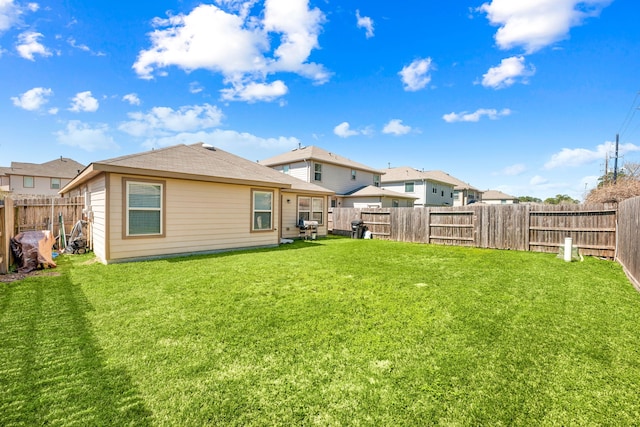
55	183
144	208
353	174
311	209
376	180
262	207
408	187
317	168
28	182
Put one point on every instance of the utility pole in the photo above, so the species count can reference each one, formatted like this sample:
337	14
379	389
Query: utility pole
615	163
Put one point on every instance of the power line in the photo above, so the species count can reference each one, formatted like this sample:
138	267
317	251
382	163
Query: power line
630	114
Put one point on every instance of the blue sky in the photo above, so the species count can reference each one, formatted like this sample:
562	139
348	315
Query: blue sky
520	96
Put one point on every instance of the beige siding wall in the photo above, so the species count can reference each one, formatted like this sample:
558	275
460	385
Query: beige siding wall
95	199
298	170
418	190
200	217
290	215
338	178
41	185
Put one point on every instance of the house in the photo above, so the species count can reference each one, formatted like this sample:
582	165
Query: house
463	193
44	179
339	174
430	189
189	199
494	197
376	197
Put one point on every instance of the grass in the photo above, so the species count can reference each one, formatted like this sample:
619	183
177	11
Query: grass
332	332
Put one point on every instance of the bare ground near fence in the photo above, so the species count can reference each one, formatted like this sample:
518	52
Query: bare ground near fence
44	213
538	228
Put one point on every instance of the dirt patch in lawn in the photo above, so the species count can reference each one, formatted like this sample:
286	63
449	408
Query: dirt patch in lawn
13	277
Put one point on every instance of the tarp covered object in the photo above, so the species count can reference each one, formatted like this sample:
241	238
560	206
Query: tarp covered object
33	248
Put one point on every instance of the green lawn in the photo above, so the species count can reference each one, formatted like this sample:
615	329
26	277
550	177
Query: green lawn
332	332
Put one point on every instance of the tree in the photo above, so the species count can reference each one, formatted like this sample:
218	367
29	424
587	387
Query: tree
529	199
561	199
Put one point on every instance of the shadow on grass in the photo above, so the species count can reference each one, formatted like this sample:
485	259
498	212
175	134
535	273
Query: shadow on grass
52	369
296	245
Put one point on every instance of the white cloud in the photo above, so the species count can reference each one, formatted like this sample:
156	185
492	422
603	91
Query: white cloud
10	13
509	71
195	87
580	156
243	144
237	45
366	23
538	180
163	121
86	137
514	170
28	45
33	99
132	98
395	127
73	43
253	92
84	101
343	130
415	76
535	24
464	116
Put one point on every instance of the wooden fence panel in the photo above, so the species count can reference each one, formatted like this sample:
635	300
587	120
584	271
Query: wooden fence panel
591	228
628	253
540	228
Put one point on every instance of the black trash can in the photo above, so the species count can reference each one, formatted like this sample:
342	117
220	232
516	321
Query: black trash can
357	229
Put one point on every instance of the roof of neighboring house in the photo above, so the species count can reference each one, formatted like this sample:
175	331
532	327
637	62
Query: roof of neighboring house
406	173
373	191
200	162
496	195
318	154
58	168
458	184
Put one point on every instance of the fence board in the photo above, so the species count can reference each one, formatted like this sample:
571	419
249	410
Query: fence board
538	228
628	239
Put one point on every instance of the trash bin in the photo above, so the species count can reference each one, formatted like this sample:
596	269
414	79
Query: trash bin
357	228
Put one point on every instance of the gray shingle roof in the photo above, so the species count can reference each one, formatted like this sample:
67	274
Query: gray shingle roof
317	154
197	162
373	191
406	173
496	195
58	168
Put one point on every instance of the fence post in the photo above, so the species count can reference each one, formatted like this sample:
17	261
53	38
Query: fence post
9	214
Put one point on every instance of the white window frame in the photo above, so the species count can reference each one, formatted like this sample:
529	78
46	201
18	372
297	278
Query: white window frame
413	186
128	208
317	171
55	183
314	212
24	182
255	211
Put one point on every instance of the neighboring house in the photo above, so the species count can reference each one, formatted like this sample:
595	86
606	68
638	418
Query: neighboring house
375	197
189	199
463	192
428	188
494	197
44	179
329	170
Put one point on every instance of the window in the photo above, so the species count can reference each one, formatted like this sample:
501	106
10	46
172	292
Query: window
353	174
27	182
144	208
318	172
395	203
376	180
408	187
451	195
442	193
311	208
55	183
262	208
434	190
285	169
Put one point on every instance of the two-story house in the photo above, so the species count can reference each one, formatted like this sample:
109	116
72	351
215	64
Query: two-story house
44	179
430	189
463	192
355	184
495	197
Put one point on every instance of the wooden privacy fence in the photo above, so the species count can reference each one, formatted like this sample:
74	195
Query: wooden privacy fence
30	214
629	238
539	228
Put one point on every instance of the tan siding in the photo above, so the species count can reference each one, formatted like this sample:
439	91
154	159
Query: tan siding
199	217
290	215
97	193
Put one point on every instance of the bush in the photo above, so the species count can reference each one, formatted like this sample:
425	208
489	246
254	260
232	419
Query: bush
625	188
